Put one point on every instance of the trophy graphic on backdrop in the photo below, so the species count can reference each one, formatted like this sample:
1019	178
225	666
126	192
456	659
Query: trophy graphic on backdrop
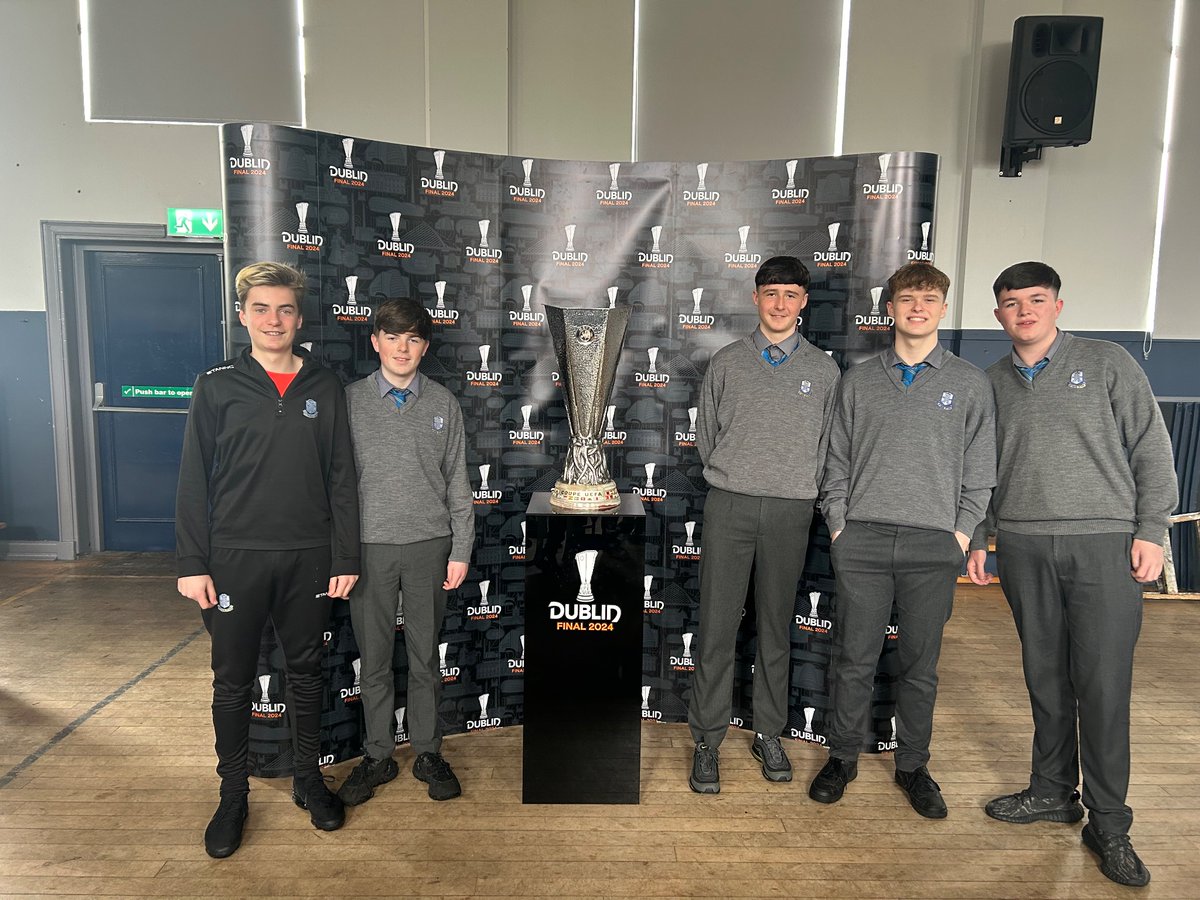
587	344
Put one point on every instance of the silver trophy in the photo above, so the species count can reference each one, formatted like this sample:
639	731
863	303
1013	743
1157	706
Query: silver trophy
587	344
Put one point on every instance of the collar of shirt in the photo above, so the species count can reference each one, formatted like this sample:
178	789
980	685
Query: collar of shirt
1058	339
788	345
936	357
384	386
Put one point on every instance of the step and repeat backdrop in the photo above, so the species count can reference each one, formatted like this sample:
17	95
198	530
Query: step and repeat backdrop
483	242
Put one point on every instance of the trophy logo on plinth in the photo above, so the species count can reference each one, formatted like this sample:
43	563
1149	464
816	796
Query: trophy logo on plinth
587	345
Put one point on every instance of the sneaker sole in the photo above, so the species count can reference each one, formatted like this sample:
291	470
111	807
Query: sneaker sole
1066	816
704	787
769	774
1091	843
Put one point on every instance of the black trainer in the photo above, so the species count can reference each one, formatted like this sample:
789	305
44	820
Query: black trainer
769	752
1025	806
367	775
326	811
923	793
1118	862
436	772
831	781
223	835
706	771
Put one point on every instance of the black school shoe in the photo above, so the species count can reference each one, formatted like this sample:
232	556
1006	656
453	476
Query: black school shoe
923	793
367	775
325	809
1118	862
436	772
831	781
223	835
1025	806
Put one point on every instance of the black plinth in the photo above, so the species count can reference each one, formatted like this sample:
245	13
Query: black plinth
583	655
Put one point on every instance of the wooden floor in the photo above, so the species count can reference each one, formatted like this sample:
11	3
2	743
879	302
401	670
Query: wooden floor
106	781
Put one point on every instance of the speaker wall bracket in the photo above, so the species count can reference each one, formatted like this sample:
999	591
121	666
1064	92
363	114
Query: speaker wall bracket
1013	158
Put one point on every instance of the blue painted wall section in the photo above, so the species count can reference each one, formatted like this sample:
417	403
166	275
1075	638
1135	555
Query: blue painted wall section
28	494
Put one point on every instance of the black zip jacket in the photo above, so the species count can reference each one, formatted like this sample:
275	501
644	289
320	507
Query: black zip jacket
264	472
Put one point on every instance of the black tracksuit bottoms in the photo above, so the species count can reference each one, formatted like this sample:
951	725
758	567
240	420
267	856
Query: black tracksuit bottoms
290	589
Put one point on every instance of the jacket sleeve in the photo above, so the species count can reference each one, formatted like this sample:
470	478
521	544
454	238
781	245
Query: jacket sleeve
1144	434
458	487
191	496
342	487
835	485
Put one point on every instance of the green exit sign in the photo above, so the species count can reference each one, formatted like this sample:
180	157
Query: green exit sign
195	223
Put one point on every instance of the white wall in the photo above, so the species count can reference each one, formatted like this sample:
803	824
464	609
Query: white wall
719	79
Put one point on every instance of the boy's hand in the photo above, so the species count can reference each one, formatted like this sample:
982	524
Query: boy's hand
456	573
975	561
1146	561
199	588
341	585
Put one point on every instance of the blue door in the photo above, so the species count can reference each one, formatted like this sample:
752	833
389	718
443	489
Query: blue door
154	322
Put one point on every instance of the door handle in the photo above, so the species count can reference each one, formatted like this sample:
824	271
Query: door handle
98	404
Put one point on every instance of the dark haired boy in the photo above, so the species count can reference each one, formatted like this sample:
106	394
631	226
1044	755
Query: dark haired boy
417	532
266	528
1085	484
912	462
764	408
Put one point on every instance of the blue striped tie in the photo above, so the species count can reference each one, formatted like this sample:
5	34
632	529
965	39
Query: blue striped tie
1030	372
774	355
908	373
400	396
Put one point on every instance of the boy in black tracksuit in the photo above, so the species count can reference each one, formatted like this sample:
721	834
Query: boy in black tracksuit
267	528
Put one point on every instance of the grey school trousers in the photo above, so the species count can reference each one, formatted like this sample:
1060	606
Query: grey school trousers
418	569
875	564
740	531
1078	612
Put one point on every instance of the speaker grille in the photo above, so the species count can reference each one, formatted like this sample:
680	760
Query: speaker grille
1057	98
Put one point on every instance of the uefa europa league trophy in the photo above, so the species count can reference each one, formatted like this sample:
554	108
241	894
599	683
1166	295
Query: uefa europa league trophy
587	343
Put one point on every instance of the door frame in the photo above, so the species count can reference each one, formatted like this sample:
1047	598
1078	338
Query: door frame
75	455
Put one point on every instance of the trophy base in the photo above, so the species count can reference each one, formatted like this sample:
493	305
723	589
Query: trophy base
585	496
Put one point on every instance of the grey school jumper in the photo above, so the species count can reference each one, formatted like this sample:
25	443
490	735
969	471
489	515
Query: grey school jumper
411	467
761	430
922	456
761	436
1084	468
907	466
416	516
1082	448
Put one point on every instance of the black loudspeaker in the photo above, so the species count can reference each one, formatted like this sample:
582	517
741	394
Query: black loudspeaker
1051	86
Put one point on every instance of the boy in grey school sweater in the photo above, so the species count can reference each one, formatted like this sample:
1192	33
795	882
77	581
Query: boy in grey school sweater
1085	484
417	533
912	462
761	426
